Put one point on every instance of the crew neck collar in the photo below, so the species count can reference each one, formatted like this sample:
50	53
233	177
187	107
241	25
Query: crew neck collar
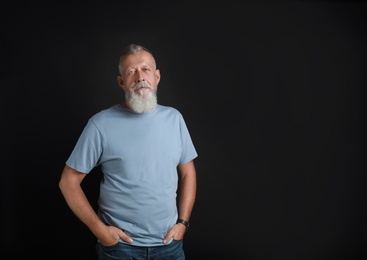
121	106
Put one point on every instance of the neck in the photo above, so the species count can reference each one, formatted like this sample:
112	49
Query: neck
125	104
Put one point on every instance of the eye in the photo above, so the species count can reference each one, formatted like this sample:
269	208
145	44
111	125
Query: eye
132	71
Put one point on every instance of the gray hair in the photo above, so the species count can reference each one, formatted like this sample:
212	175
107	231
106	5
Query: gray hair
132	49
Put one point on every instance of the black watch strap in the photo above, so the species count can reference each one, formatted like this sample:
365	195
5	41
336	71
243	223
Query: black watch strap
183	222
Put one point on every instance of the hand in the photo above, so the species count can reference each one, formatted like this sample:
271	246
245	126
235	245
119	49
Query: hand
177	232
112	235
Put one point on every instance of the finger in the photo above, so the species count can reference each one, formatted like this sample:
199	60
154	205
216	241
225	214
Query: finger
125	237
167	238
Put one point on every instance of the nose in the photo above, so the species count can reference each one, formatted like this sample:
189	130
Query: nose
140	77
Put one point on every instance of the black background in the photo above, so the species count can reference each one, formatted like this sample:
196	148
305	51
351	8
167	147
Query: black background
272	92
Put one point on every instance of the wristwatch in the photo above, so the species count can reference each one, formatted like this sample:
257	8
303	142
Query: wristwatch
183	222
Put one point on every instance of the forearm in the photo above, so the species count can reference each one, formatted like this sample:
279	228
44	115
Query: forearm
77	200
78	203
186	192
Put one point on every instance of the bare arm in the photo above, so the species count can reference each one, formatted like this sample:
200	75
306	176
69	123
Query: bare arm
186	190
186	199
77	201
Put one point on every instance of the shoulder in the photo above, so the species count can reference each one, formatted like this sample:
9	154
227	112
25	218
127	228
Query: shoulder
168	109
105	114
170	114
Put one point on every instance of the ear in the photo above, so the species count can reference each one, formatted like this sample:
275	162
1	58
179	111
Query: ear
120	81
158	75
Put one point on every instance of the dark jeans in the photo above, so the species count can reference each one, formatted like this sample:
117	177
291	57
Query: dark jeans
121	251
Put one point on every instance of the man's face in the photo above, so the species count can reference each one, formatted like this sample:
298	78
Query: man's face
139	79
138	67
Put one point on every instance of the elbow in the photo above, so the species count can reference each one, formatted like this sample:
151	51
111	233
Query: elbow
61	184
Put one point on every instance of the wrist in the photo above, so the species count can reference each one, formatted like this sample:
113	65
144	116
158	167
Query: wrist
183	222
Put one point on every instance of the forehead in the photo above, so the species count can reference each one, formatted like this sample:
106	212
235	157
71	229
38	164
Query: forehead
141	58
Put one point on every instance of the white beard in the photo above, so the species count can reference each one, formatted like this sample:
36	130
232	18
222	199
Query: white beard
144	101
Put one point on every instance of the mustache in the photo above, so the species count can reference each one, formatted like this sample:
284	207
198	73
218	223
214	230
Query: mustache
141	85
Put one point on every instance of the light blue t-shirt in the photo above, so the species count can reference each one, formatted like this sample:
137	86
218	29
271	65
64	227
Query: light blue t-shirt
138	154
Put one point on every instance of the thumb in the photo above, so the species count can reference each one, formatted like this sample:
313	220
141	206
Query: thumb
125	237
168	237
